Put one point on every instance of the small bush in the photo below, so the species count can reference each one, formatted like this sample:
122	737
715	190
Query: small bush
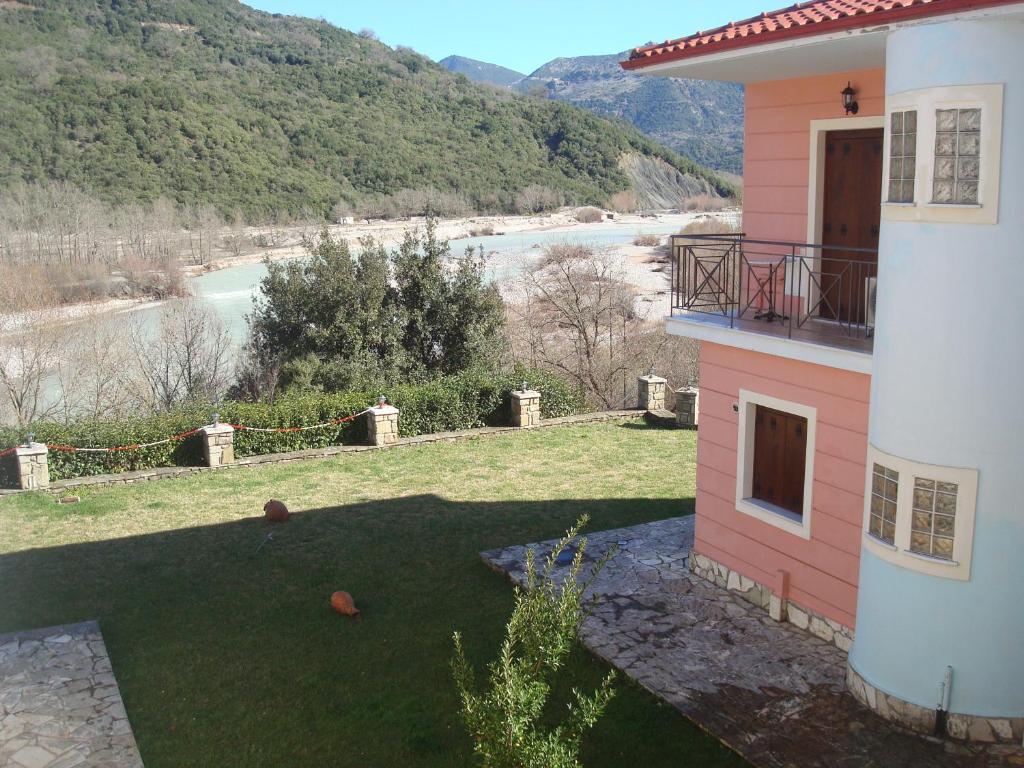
486	231
647	241
460	401
588	215
509	718
624	202
710	225
704	203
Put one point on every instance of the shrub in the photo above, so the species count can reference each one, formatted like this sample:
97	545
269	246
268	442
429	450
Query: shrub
462	401
588	215
648	241
624	201
710	225
706	202
508	719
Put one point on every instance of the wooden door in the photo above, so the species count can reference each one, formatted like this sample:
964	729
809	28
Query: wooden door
850	217
780	459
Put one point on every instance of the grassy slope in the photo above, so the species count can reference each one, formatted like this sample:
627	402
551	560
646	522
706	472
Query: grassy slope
227	657
211	101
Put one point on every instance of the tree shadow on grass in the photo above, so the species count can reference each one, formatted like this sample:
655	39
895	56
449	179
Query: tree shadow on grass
227	653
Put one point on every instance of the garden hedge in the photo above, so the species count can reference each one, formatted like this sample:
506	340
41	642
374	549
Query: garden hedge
462	401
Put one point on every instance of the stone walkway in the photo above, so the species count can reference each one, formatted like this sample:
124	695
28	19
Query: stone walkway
60	706
770	691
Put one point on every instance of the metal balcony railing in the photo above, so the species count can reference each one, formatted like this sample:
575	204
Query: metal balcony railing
811	292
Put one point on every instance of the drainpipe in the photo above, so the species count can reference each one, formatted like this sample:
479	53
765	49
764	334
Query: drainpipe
942	709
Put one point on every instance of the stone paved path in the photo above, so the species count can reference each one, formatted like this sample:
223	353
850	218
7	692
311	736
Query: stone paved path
60	706
772	692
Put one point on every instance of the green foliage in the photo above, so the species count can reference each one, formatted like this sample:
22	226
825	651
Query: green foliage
210	101
506	719
338	320
460	401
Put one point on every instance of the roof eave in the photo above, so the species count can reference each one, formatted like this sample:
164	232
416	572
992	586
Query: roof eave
865	22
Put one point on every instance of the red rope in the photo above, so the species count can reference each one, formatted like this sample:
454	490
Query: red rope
182	435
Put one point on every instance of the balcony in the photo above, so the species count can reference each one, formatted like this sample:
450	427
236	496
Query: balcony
787	292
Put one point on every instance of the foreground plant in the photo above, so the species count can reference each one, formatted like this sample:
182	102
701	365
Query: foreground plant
505	718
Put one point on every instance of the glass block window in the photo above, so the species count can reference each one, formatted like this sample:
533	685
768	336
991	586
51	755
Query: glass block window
885	484
957	156
902	156
933	518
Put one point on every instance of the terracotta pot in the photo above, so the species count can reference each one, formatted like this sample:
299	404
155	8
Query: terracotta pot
275	511
342	602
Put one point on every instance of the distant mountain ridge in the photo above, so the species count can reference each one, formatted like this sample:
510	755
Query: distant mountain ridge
701	119
481	71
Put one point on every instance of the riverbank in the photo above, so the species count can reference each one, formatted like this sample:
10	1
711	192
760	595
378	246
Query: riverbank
390	232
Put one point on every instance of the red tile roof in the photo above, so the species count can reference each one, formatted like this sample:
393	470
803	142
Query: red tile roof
818	17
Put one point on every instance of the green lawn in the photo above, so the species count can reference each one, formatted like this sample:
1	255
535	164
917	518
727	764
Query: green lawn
229	656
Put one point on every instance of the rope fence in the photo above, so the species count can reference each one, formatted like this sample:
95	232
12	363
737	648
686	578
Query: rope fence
59	447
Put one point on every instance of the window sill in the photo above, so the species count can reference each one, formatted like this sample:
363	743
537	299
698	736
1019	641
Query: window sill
930	558
954	206
879	542
895	204
771	514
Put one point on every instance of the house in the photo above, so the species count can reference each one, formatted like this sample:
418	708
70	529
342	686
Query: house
861	442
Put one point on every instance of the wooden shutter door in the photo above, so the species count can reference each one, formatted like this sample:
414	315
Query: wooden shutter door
780	458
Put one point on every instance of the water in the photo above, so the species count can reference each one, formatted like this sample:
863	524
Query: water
230	291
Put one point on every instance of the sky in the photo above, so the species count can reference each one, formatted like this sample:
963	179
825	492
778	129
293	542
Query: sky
525	34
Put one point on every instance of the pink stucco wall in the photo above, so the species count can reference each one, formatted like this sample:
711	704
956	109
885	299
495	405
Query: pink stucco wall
777	145
823	570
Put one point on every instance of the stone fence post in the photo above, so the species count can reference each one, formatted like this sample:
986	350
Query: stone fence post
687	406
382	424
525	407
33	468
218	443
650	393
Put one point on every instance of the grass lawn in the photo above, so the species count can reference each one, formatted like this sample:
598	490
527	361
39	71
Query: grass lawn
229	656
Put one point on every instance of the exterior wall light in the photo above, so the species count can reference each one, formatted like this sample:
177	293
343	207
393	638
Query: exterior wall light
849	104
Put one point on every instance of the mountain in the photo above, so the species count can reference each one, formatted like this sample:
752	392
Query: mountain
481	71
210	101
700	119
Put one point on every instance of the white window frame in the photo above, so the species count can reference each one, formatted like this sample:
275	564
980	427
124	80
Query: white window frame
762	510
989	99
898	553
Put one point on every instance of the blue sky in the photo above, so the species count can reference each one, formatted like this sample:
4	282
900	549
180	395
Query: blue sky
525	34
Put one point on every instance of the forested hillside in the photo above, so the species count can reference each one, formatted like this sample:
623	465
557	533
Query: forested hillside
209	101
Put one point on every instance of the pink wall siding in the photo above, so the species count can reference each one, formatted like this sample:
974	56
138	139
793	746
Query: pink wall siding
777	145
823	570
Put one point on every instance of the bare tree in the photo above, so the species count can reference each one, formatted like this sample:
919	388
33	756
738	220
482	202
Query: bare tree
186	359
576	314
93	374
30	345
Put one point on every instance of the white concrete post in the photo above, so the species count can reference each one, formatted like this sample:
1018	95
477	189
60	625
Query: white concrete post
687	406
382	424
33	467
650	393
218	444
525	407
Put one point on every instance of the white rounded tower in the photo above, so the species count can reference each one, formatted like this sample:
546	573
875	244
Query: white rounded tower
940	618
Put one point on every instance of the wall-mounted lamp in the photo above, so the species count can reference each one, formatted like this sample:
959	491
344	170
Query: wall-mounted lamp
849	104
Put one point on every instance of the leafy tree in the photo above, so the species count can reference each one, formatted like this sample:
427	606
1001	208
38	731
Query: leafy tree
505	719
337	320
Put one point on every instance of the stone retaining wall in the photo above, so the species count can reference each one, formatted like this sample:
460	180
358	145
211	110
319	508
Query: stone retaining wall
779	606
159	473
1005	730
